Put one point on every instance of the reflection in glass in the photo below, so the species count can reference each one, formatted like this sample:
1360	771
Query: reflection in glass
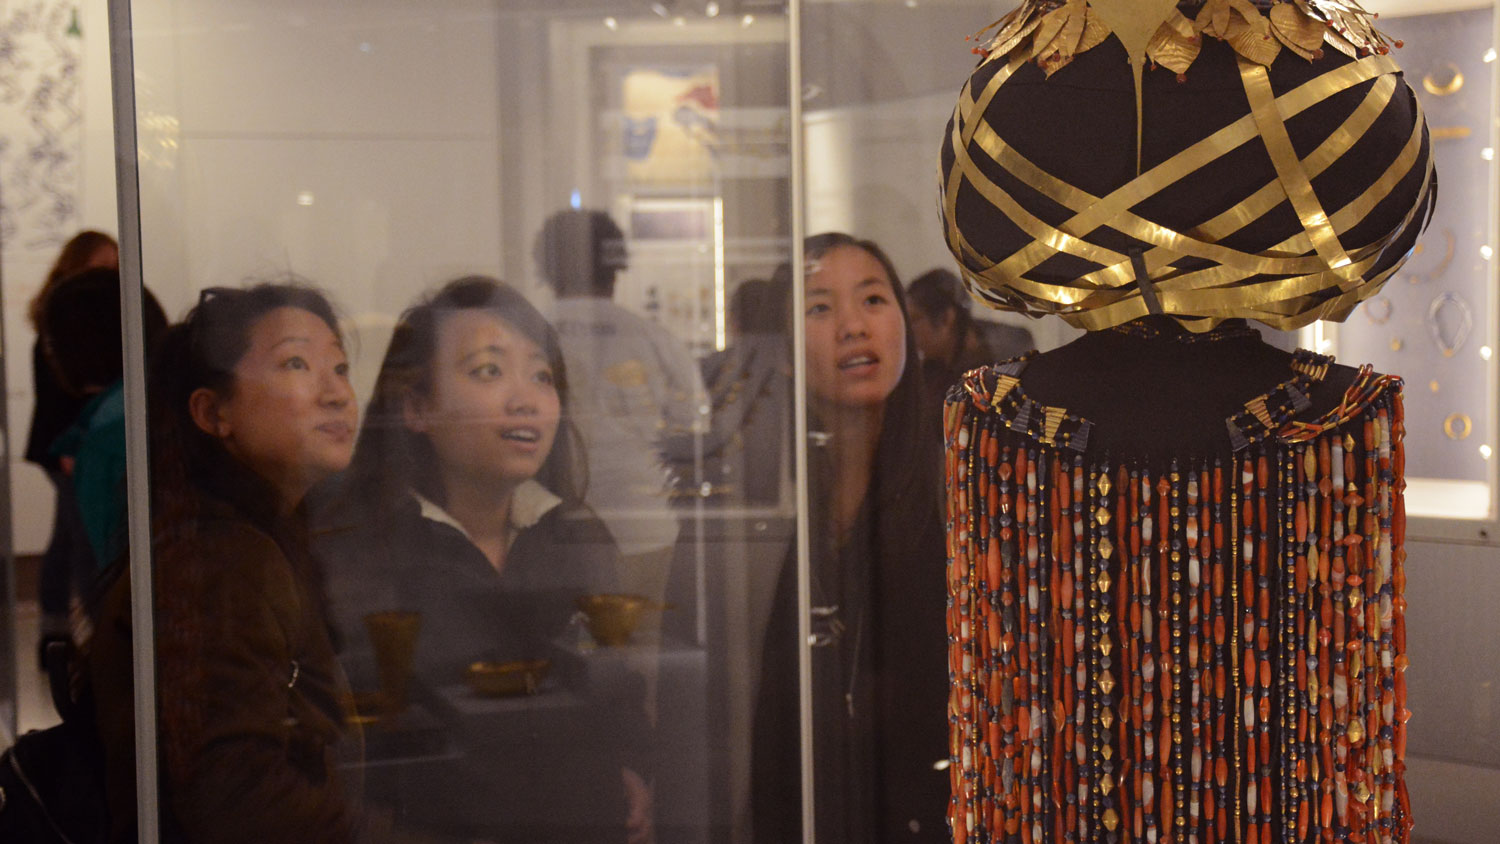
250	406
464	507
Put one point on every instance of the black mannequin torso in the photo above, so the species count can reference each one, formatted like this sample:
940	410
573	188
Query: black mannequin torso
1148	395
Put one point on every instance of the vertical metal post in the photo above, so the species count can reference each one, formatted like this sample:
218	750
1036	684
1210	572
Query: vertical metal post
127	176
799	421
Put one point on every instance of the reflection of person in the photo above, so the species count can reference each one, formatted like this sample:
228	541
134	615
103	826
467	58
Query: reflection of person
879	678
749	392
250	406
950	339
465	502
81	334
634	382
56	408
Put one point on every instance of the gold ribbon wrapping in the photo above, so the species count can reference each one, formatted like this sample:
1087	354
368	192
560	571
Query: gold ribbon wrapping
1311	275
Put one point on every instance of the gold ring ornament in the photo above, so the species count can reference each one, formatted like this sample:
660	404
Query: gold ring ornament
1454	84
1449	241
1109	159
1449	321
1458	426
1378	310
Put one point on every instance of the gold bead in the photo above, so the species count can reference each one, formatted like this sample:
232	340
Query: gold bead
1107	751
1104	582
1107	717
1102	515
1111	820
1107	683
1107	785
1104	485
1105	646
1356	731
1106	548
1104	616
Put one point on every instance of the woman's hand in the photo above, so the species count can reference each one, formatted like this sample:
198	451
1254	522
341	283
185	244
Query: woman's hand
640	825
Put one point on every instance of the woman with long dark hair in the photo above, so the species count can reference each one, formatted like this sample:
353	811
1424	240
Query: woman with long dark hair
879	682
250	406
465	505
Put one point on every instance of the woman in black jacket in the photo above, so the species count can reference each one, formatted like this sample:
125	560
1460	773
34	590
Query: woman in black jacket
465	504
879	676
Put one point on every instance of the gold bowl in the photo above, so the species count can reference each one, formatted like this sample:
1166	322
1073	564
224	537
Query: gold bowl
612	619
507	679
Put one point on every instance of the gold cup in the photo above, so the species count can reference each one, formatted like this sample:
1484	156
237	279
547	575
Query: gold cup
394	637
612	619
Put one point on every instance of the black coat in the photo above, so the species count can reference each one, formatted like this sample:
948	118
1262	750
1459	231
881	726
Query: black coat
880	687
523	762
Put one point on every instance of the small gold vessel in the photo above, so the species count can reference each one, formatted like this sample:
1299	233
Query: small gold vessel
507	679
612	619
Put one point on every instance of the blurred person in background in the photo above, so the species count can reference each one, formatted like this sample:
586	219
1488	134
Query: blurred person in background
634	384
80	333
950	339
55	410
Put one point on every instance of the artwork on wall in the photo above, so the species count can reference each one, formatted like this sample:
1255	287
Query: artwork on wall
41	123
669	124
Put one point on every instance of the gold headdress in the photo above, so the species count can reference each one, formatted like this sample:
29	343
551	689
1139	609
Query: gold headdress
1032	240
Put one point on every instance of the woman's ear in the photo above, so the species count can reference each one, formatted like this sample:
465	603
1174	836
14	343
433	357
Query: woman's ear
414	408
204	407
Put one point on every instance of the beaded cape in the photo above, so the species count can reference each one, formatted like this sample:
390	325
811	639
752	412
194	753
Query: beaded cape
1202	649
1327	219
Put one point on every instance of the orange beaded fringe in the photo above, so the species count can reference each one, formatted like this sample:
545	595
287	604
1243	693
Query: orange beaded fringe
1208	651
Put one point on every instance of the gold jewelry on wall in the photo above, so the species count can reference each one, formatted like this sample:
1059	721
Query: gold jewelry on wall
1458	426
1378	310
1447	88
1449	242
1396	344
1449	342
1450	133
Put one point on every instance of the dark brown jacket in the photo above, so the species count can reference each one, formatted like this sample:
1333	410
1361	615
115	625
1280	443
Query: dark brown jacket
249	700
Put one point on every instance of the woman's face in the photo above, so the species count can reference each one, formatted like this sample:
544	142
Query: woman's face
291	415
856	338
493	412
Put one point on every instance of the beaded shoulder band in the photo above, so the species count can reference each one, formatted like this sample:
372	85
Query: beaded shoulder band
997	389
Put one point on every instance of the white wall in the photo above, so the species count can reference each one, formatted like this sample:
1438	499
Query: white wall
355	145
24	264
386	114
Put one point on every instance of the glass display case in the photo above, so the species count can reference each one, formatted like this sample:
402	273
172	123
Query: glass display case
1434	322
680	580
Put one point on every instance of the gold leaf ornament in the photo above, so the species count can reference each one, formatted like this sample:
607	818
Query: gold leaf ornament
1176	44
1056	39
1297	30
1064	33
